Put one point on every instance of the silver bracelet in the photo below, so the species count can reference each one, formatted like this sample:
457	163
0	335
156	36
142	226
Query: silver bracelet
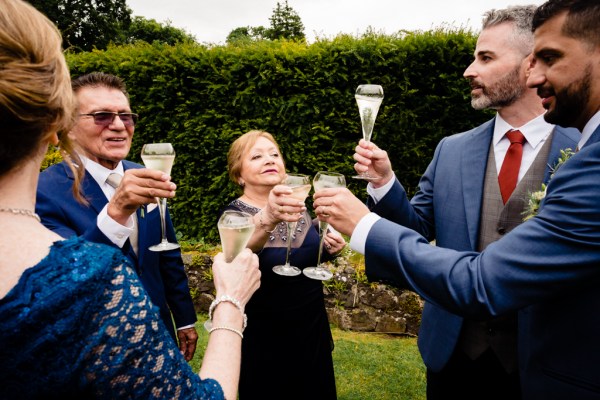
229	299
216	328
262	224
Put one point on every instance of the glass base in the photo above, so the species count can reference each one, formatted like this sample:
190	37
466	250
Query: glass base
367	177
286	270
317	273
164	246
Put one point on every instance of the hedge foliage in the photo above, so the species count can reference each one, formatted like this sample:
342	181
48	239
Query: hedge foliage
201	98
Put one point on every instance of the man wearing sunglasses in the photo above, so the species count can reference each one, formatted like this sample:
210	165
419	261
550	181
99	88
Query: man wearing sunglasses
119	207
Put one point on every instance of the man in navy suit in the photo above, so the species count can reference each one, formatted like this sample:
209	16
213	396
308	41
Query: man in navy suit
119	213
548	268
459	204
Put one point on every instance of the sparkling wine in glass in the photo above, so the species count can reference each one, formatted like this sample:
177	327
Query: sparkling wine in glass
160	156
300	185
368	98
235	230
323	180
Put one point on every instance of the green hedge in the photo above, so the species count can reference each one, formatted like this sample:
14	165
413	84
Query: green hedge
201	98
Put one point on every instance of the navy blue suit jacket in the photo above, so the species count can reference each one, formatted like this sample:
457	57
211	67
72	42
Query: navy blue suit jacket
161	273
547	268
447	208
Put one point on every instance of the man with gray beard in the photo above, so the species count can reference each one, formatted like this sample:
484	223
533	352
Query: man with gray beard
467	199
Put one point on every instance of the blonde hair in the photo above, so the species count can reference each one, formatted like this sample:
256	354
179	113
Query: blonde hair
36	99
239	147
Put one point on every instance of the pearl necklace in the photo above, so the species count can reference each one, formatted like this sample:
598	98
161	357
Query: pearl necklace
21	211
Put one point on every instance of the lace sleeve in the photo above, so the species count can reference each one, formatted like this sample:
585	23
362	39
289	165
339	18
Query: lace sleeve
130	355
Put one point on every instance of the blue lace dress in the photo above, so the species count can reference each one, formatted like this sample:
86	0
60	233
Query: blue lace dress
80	325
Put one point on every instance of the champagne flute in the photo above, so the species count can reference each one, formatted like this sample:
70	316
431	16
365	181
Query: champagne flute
300	185
160	156
368	98
235	230
323	180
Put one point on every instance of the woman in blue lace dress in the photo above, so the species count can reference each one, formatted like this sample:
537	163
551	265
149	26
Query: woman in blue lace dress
75	322
288	341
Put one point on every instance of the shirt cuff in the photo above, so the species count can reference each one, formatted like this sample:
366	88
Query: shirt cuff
358	240
186	327
379	193
117	233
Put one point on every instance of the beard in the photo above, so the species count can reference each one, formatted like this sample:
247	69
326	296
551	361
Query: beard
570	102
504	92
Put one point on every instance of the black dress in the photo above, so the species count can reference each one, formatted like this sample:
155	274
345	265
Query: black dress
286	351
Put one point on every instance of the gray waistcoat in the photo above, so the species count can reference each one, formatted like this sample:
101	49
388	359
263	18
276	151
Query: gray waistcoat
497	219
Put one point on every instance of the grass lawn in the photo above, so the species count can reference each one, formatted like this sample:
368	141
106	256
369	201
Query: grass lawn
367	365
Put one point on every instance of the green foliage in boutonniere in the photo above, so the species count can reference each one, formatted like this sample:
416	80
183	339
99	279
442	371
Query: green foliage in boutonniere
535	198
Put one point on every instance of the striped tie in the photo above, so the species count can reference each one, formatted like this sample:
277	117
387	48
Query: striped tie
114	180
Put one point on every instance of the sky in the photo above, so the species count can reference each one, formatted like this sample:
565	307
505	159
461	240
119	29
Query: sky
211	21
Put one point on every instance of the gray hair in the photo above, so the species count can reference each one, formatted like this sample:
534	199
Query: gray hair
521	17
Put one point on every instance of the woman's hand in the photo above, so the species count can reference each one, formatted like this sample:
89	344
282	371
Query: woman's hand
282	207
334	242
238	279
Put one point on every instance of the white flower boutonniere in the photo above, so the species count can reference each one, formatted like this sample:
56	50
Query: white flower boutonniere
535	198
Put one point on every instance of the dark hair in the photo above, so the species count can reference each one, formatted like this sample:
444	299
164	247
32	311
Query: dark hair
99	79
583	18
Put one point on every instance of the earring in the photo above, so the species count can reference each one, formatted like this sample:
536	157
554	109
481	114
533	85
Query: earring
242	184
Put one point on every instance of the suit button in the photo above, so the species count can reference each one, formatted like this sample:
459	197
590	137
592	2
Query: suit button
491	332
502	230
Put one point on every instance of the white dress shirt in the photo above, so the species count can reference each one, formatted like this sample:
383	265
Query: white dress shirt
536	133
588	129
117	233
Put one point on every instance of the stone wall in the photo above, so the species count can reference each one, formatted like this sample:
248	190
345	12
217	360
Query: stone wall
352	302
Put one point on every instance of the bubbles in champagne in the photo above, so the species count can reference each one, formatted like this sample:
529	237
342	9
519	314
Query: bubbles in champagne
368	107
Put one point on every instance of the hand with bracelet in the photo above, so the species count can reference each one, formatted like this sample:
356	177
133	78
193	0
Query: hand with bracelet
235	283
277	207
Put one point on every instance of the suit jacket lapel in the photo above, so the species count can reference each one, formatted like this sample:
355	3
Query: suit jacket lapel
594	138
93	193
473	165
559	141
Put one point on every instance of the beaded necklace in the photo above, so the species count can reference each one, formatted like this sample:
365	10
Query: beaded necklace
21	211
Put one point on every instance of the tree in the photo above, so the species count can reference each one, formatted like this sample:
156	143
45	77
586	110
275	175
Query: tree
286	23
247	34
86	25
150	31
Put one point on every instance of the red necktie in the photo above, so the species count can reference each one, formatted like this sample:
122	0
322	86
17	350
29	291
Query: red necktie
509	172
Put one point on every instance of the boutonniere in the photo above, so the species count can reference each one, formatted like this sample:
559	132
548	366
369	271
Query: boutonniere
534	199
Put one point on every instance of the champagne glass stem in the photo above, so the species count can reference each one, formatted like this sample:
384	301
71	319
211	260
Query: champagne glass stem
164	244
162	208
322	229
291	226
